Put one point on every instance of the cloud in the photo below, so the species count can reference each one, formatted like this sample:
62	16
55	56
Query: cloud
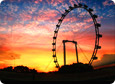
2	29
47	14
108	3
24	17
37	1
5	51
2	65
8	55
105	60
55	2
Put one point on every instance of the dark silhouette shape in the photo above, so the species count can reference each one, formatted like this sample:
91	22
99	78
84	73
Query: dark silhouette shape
96	25
10	69
21	69
76	68
33	71
64	47
24	69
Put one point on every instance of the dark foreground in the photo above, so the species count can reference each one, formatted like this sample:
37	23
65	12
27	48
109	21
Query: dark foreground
106	75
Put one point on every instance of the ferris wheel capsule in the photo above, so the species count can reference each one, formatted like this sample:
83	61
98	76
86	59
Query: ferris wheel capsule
90	9
67	11
63	15
98	47
75	5
54	55
99	35
53	43
98	25
57	25
53	49
57	66
95	16
54	37
95	58
80	5
60	20
85	6
56	31
71	8
55	61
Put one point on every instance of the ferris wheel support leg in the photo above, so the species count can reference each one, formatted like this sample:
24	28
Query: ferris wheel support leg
64	53
76	52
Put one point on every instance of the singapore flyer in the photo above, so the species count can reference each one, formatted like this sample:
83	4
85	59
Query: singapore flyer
96	26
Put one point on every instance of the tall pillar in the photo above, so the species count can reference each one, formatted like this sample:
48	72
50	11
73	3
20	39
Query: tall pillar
64	52
76	52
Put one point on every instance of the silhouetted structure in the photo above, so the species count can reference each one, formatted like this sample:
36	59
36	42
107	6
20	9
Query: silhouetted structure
96	25
75	68
65	41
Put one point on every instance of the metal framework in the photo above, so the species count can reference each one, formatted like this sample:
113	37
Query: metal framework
65	41
96	25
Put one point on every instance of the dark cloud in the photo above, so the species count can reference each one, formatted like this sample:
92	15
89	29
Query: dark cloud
105	60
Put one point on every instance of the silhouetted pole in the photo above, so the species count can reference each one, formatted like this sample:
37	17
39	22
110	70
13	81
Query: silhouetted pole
64	52
76	52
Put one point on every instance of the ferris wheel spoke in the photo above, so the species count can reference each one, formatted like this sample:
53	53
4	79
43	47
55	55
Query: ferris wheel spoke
85	47
83	52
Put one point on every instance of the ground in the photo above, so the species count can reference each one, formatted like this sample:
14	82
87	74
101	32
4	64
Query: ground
105	74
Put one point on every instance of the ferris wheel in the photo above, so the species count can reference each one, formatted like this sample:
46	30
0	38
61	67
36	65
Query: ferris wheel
97	34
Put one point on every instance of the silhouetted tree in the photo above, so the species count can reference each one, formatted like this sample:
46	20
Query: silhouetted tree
10	68
24	69
21	69
33	70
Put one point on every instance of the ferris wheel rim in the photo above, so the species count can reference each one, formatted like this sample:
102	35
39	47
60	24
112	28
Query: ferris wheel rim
96	25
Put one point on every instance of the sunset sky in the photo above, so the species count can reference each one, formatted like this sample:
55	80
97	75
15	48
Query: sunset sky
27	29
